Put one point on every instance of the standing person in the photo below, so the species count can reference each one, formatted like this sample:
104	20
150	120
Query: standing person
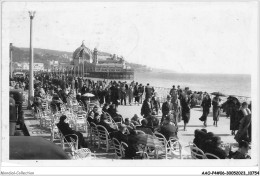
136	95
140	93
176	109
234	115
216	109
146	109
130	94
148	91
244	130
185	110
123	94
155	104
206	104
166	107
172	91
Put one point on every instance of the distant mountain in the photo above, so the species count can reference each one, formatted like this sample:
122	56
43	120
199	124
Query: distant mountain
41	55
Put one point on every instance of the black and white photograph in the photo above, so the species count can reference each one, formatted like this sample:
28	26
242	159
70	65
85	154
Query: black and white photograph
114	87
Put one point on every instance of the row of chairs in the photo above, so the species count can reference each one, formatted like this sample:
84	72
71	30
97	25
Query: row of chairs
197	153
71	146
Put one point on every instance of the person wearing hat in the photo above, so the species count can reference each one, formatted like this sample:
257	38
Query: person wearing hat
167	128
185	105
120	134
104	122
166	107
146	109
144	127
173	91
206	104
148	91
140	93
93	115
65	129
214	147
216	109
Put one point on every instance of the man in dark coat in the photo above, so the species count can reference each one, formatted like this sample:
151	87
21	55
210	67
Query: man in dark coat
66	130
103	122
144	127
146	109
148	91
168	129
120	135
166	107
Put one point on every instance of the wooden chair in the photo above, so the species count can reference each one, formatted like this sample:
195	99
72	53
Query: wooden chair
104	137
84	153
174	148
118	149
196	153
123	147
94	138
81	123
71	143
210	156
163	146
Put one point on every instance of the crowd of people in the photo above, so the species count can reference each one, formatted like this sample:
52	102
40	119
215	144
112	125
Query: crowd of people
109	94
208	142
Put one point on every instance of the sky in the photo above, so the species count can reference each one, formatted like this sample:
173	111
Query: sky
186	37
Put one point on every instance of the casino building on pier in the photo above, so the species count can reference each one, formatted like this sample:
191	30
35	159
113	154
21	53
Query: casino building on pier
98	64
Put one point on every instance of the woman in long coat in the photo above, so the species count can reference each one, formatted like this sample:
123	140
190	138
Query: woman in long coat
206	104
216	109
185	104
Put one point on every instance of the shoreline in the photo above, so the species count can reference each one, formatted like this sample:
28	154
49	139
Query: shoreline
163	91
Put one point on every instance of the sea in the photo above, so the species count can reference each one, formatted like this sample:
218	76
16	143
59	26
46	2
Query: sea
229	84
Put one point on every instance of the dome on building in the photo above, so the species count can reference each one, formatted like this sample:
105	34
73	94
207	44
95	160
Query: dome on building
82	51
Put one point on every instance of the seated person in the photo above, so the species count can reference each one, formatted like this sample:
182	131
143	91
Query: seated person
144	127
106	124
200	136
113	113
135	120
105	107
130	151
66	130
152	122
120	135
94	116
242	152
129	125
168	129
56	103
213	146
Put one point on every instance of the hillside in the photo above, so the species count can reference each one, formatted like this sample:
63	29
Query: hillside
45	55
40	55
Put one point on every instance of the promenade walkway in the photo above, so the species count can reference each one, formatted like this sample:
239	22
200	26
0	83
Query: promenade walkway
34	129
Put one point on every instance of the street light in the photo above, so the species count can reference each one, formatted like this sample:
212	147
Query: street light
31	91
11	60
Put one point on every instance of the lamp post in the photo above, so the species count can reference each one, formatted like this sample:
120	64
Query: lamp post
11	60
31	91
